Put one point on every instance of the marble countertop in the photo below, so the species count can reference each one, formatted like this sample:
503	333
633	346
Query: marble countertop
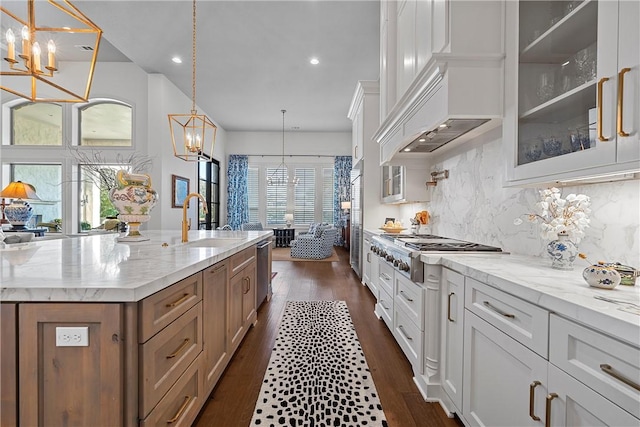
97	268
559	291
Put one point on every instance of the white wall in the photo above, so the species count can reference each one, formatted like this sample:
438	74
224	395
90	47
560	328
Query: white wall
473	205
295	143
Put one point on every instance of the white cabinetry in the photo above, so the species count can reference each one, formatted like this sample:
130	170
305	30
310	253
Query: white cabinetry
404	184
572	95
384	306
357	143
370	266
408	319
452	335
434	53
501	378
524	366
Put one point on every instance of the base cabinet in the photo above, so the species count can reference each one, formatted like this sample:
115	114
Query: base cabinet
70	385
214	316
452	335
242	295
8	353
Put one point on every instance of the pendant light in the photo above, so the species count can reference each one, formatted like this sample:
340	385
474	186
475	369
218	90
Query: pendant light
193	135
280	176
31	66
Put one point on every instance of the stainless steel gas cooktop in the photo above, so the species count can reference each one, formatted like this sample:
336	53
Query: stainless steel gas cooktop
429	242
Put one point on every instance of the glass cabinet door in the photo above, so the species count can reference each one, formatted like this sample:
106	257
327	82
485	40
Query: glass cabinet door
557	79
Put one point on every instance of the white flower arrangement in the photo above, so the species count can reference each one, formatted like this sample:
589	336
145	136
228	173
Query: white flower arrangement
556	215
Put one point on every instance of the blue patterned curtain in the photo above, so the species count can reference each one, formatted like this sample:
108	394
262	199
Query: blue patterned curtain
237	197
341	191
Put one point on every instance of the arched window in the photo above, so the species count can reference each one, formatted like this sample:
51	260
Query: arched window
106	124
36	123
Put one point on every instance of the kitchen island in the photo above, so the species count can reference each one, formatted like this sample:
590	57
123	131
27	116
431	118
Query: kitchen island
99	332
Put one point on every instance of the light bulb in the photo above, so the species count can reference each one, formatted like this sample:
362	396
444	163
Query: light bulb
36	57
25	33
11	46
26	45
51	47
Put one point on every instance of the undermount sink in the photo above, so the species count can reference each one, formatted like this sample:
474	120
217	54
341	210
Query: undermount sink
215	242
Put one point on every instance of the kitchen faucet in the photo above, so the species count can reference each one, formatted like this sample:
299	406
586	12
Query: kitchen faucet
185	206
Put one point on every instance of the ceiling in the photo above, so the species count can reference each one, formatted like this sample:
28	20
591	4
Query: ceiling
252	56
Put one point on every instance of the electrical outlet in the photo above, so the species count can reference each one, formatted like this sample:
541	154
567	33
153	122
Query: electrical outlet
77	336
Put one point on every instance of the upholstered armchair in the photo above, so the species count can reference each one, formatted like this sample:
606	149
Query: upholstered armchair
315	247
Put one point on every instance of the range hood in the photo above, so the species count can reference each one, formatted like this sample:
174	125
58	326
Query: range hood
452	100
446	132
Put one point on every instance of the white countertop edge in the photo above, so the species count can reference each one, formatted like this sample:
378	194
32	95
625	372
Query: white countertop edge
99	291
562	292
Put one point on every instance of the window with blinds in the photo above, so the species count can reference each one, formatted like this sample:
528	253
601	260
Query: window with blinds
304	196
327	195
253	193
276	198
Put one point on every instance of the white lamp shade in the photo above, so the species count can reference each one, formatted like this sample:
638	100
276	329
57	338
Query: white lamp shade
288	217
345	205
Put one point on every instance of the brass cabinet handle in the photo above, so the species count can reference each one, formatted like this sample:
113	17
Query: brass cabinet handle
550	397
218	268
404	333
601	137
182	408
180	349
497	310
178	301
620	100
449	308
532	395
248	280
619	376
406	297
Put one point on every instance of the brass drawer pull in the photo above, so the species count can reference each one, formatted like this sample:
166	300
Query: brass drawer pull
449	308
620	100
182	408
178	301
532	396
248	280
550	397
401	329
601	137
179	349
406	297
497	310
620	377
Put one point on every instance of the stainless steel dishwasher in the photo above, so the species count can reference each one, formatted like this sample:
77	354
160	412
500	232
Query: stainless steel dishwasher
264	271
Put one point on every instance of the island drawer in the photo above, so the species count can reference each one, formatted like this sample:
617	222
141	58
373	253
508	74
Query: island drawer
240	260
160	309
164	358
521	320
181	405
602	363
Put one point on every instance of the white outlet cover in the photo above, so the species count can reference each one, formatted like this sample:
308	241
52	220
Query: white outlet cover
76	336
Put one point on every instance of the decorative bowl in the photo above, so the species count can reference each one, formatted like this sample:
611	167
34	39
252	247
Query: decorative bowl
601	276
393	229
628	274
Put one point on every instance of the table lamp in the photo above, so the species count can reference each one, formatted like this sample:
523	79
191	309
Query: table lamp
288	219
345	205
18	213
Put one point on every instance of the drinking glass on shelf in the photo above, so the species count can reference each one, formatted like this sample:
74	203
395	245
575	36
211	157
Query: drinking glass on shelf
566	74
585	61
545	89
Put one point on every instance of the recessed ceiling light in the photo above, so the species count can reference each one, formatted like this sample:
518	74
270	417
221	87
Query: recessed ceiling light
422	140
407	149
177	60
314	61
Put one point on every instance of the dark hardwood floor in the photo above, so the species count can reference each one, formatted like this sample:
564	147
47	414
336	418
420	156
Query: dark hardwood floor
233	400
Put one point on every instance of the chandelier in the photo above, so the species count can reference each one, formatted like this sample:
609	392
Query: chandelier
190	133
280	176
30	72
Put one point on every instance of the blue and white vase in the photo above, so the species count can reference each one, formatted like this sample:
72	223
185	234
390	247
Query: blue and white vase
562	252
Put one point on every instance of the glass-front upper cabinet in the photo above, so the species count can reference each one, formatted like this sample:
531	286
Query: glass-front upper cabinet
572	89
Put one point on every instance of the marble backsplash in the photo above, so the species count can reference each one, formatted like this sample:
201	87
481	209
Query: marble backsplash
472	205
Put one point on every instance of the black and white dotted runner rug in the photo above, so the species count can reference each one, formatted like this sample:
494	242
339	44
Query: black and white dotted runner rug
317	374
